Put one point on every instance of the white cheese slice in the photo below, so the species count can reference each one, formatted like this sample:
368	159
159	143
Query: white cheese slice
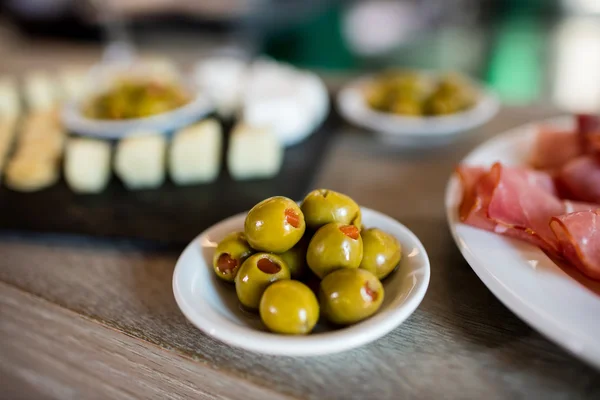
87	165
140	160
253	153
10	101
195	153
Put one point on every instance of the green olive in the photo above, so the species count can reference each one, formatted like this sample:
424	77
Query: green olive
289	307
274	225
295	258
334	246
381	252
407	106
348	296
443	104
323	206
256	274
230	254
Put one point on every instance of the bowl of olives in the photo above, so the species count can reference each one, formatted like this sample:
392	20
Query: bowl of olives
417	107
128	98
315	277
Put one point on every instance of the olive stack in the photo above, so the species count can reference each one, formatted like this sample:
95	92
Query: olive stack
286	249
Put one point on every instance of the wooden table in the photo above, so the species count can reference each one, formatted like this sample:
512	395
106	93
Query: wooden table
88	318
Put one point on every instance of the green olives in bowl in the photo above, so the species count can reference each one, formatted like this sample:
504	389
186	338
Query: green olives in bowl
267	312
274	225
348	296
231	252
322	206
255	275
289	307
381	252
334	246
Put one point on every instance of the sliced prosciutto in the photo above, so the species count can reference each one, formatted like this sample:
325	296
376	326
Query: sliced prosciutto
515	202
578	234
588	127
523	201
476	196
580	179
555	206
552	149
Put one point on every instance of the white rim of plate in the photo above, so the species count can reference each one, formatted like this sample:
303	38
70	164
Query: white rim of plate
317	344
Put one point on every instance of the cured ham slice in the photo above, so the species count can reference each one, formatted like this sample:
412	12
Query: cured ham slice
555	207
578	234
476	193
580	179
523	201
515	202
588	127
552	149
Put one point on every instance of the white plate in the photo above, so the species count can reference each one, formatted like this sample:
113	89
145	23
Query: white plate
212	305
414	131
561	304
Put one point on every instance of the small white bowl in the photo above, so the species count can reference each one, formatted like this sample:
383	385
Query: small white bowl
178	118
103	76
414	131
212	305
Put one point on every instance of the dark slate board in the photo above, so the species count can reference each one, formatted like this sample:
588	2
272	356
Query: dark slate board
170	214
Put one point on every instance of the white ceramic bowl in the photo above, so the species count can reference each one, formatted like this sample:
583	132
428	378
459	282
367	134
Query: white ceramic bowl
212	305
103	76
185	115
414	131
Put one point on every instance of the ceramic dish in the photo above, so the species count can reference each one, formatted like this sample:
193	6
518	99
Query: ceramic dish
414	131
559	302
178	118
101	77
213	307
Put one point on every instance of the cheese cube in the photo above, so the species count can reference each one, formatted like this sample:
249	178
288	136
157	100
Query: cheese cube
87	165
140	160
195	154
253	153
40	91
10	102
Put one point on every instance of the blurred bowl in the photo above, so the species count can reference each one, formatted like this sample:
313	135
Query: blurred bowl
414	131
101	77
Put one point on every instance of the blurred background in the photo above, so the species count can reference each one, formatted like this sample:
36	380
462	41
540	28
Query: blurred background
527	50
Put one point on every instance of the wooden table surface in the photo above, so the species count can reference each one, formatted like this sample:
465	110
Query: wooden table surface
83	317
91	318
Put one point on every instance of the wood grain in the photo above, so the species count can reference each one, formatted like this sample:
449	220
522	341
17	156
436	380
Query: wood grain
49	352
460	343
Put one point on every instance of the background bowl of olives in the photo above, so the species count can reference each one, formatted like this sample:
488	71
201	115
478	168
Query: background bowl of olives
124	99
299	279
417	108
